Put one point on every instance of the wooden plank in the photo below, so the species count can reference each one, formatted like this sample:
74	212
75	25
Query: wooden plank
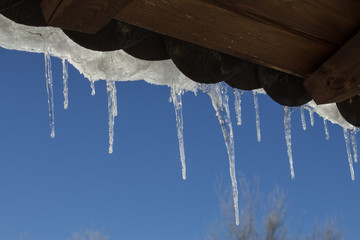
87	16
215	27
338	78
329	20
49	7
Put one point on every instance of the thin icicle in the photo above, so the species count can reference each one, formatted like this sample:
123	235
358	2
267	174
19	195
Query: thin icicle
237	95
176	99
256	104
347	143
92	86
220	102
303	122
49	88
287	126
112	108
326	130
65	83
311	114
354	144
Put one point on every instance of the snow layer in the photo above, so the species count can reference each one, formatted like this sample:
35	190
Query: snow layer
116	65
94	65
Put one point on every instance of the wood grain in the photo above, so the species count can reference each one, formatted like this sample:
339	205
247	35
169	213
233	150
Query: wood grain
87	16
338	78
333	21
215	27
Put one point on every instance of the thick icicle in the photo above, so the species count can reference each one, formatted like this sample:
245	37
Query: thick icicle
65	83
220	102
326	130
287	126
92	86
176	99
256	103
354	144
112	108
303	122
237	94
49	88
347	143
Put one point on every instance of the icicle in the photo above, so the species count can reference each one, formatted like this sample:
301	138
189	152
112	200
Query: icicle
219	99
326	130
302	118
347	142
49	88
287	126
237	95
176	99
257	116
65	83
311	114
354	144
92	86
112	108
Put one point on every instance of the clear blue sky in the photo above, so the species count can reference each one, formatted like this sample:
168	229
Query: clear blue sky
52	187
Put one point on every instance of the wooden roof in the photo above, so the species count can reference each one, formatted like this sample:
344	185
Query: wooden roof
315	40
297	37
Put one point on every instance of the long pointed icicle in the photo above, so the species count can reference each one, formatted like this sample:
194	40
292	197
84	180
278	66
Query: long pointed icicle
65	83
49	88
326	130
287	126
256	104
220	102
112	108
177	101
303	122
354	144
237	95
347	143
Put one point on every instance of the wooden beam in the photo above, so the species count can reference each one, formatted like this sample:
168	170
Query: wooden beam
338	78
329	20
87	16
207	24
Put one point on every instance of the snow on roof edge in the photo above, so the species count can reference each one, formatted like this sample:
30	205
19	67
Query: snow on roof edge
116	65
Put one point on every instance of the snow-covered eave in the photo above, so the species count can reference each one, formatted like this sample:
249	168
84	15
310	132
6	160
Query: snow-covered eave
116	65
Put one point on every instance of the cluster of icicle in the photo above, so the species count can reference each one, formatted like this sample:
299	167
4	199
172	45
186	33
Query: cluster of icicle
220	101
118	66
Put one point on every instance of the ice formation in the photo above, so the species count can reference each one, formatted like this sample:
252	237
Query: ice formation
49	88
327	136
65	83
237	95
112	108
176	94
116	65
302	115
347	143
220	101
354	144
92	86
311	115
256	104
119	66
287	127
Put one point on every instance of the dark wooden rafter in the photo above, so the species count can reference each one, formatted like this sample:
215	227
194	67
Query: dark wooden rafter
217	27
338	78
87	16
331	21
